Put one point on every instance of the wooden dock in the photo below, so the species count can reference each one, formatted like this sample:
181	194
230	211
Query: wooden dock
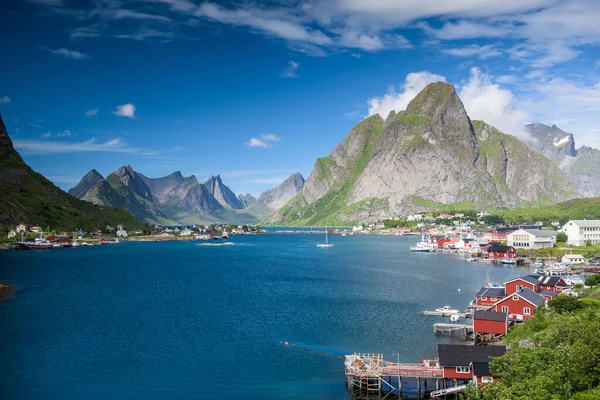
444	392
446	314
453	329
371	374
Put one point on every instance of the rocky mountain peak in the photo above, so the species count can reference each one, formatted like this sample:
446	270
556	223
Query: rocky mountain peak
277	197
85	184
6	145
222	193
551	141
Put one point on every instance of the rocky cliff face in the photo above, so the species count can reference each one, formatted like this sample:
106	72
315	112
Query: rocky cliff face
222	193
247	199
277	197
86	183
582	165
428	155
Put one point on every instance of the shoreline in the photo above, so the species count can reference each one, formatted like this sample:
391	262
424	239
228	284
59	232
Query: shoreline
6	291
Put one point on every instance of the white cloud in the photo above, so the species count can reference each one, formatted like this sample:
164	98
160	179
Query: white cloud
45	147
466	30
92	112
414	83
489	102
265	141
474	50
125	110
129	14
292	70
507	79
75	55
64	133
355	55
5	100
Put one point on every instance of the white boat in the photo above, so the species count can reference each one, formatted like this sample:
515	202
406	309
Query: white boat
447	310
454	317
326	244
508	261
422	246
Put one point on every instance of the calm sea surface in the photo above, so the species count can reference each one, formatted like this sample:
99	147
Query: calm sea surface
181	321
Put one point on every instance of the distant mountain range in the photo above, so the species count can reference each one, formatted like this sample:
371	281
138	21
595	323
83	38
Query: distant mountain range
175	199
582	165
27	197
428	156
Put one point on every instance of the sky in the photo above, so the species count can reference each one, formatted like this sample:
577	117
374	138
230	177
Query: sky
257	90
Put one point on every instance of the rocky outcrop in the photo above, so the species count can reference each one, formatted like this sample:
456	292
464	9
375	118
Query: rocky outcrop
222	193
87	182
247	199
582	165
277	197
418	159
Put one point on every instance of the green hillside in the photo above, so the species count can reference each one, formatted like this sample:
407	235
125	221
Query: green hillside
584	208
28	197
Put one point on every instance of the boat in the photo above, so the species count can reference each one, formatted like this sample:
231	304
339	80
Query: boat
214	236
75	243
37	244
447	310
422	246
454	317
224	236
326	244
511	261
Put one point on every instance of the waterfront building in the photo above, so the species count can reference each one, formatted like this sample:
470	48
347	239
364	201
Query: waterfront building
580	231
490	323
520	305
531	238
466	362
573	259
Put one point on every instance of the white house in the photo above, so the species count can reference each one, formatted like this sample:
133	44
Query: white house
12	233
121	232
414	217
21	228
571	259
580	231
186	232
531	239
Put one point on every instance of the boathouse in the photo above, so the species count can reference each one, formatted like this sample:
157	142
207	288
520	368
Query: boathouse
551	283
490	323
548	294
481	373
497	251
487	296
458	360
519	305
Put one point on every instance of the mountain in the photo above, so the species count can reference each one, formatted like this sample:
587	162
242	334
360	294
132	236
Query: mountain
86	183
27	197
170	200
429	155
582	165
277	197
222	193
247	199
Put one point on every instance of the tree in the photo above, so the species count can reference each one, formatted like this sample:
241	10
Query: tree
588	242
562	237
592	280
563	303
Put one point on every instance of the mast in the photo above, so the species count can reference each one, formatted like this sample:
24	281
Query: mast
326	241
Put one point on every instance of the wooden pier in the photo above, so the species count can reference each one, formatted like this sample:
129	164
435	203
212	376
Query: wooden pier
463	330
447	314
371	375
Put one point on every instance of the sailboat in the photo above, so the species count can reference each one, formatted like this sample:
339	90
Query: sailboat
326	244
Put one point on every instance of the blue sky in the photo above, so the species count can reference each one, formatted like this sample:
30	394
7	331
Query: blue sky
255	91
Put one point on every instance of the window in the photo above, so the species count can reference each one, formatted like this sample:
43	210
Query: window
505	309
484	298
515	297
487	379
519	287
526	310
462	370
493	299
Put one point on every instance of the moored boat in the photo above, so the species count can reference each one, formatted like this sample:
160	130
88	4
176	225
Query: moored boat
37	244
447	310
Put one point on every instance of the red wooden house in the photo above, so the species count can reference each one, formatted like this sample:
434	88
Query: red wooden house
519	305
441	242
487	296
526	281
490	322
496	251
460	361
548	294
551	283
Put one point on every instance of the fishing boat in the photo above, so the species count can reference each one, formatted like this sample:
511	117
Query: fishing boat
422	246
37	244
510	261
326	244
447	310
224	236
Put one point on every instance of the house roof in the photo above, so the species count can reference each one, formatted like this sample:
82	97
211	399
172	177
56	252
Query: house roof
589	223
527	278
549	293
481	368
496	247
531	296
462	354
541	233
489	316
547	280
573	256
491	292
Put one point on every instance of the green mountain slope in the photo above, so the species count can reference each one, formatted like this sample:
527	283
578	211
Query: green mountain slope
27	197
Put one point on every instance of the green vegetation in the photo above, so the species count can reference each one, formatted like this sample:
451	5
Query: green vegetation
585	208
555	355
561	250
562	237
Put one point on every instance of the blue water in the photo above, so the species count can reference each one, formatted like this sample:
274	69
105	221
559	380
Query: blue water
178	320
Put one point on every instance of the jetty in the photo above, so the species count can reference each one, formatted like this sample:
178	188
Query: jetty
447	314
370	374
462	330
